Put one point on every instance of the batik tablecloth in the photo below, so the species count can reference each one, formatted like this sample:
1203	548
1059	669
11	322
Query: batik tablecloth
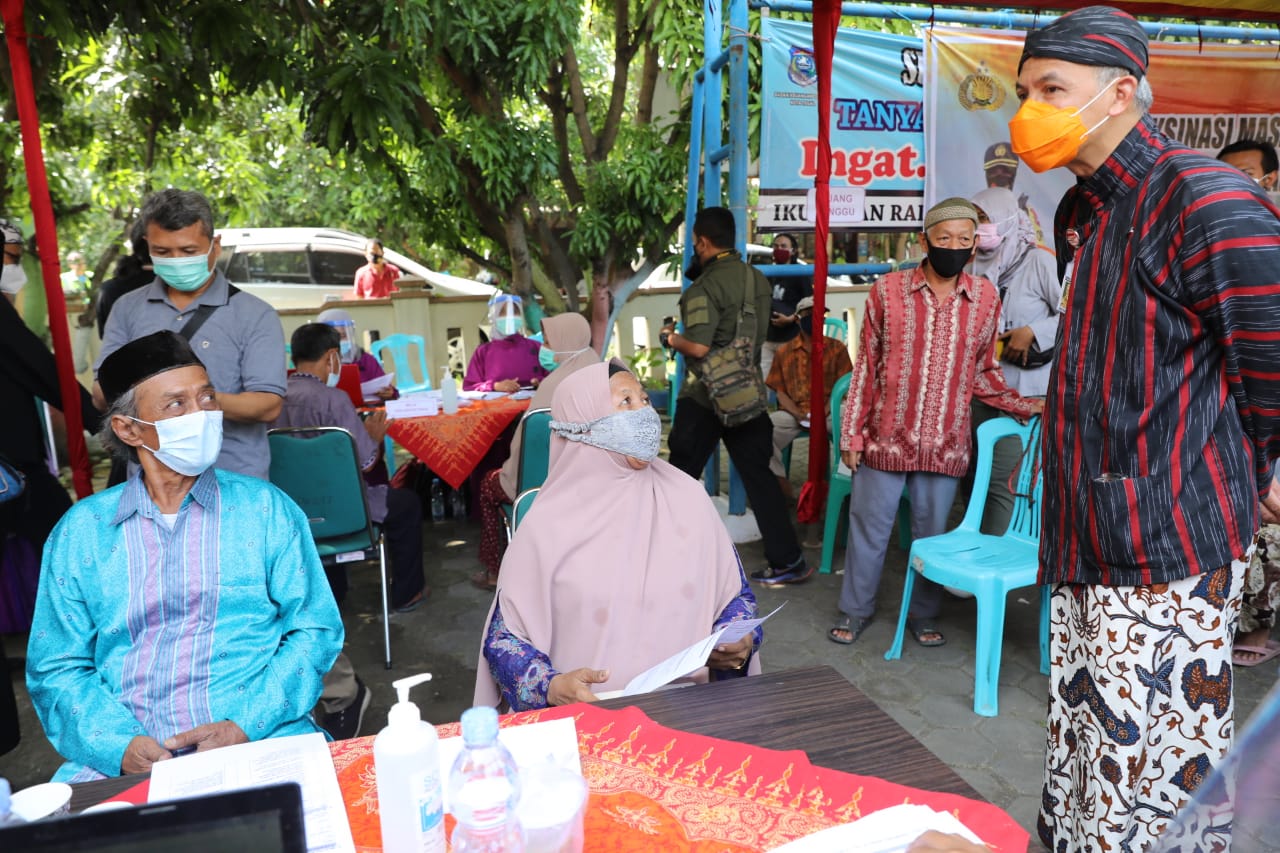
656	788
452	445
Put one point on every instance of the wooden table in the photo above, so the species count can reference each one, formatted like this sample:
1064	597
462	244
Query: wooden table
814	709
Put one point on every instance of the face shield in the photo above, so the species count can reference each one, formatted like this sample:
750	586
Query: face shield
342	321
506	315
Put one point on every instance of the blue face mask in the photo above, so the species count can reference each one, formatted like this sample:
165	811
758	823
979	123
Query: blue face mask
547	358
185	274
334	374
509	325
344	350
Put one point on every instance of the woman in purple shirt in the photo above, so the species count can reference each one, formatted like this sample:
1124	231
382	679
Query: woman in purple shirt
509	360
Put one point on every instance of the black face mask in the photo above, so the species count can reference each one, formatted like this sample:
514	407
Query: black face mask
948	262
694	269
806	324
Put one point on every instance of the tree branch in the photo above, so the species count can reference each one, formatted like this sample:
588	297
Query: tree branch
578	99
554	255
624	50
553	97
648	86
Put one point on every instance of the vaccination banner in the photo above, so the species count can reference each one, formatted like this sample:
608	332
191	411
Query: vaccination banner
877	130
1206	96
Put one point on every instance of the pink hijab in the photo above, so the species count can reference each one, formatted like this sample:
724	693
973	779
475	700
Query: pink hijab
612	568
563	333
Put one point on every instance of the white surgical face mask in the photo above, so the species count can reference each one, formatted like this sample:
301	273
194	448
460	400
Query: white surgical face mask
189	443
12	279
334	374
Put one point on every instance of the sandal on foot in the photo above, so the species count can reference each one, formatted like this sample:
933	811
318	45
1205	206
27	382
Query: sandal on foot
1243	655
485	581
853	626
926	633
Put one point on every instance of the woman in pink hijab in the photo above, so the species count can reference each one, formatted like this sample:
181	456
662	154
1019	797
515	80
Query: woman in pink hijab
621	562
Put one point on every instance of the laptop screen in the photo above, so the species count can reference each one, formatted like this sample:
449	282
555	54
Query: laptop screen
258	820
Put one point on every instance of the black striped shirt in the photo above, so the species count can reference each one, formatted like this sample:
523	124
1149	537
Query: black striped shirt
1163	411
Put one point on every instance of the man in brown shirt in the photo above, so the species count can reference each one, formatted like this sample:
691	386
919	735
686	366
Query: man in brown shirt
789	378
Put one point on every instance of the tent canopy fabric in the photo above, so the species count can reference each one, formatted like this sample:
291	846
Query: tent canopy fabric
1192	10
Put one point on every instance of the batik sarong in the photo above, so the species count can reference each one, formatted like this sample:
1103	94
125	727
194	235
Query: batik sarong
1140	708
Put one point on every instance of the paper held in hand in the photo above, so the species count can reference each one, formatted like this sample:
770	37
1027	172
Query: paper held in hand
688	660
369	390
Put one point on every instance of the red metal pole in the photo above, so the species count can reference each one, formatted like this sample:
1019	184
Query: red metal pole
15	33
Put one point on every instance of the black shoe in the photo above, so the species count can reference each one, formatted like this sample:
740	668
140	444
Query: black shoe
779	577
345	724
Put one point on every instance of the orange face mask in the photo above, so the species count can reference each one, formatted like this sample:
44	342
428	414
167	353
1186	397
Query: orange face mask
1046	137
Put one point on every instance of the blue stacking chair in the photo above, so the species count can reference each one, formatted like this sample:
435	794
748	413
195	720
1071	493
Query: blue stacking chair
319	468
988	566
834	327
401	350
535	456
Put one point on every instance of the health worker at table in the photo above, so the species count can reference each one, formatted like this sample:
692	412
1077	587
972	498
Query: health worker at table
184	607
567	350
508	360
621	562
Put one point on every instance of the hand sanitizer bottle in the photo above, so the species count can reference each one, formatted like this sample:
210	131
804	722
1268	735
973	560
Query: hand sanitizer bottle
448	392
406	758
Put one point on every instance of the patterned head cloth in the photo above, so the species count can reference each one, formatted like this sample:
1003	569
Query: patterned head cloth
951	208
999	154
1094	35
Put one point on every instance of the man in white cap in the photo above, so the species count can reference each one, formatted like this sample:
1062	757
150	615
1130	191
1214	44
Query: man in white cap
927	349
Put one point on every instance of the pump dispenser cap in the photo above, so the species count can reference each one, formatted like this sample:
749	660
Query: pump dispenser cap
405	712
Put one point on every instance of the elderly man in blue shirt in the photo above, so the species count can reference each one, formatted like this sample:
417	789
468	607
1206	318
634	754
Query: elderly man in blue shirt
185	607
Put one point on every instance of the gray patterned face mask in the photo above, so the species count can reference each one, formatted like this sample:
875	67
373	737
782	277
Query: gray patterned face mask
636	432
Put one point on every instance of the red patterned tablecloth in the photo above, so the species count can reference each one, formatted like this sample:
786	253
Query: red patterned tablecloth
452	445
656	788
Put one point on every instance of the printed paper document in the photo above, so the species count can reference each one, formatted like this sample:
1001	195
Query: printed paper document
304	759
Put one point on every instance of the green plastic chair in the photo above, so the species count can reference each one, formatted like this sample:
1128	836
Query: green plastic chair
535	457
319	468
535	449
841	483
988	566
400	347
520	508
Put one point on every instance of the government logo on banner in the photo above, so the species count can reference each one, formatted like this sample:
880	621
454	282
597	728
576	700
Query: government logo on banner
877	130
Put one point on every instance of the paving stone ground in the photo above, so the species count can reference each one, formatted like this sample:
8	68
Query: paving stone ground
929	690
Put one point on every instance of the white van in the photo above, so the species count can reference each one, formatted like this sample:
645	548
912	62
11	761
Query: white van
307	267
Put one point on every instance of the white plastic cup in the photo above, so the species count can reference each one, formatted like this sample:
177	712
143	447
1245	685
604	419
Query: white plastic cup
47	800
552	807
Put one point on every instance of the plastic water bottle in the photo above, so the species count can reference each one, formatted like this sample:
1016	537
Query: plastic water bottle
448	392
458	505
407	761
7	817
484	789
437	499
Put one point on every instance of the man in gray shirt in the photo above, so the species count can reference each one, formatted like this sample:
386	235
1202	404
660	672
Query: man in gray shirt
237	336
